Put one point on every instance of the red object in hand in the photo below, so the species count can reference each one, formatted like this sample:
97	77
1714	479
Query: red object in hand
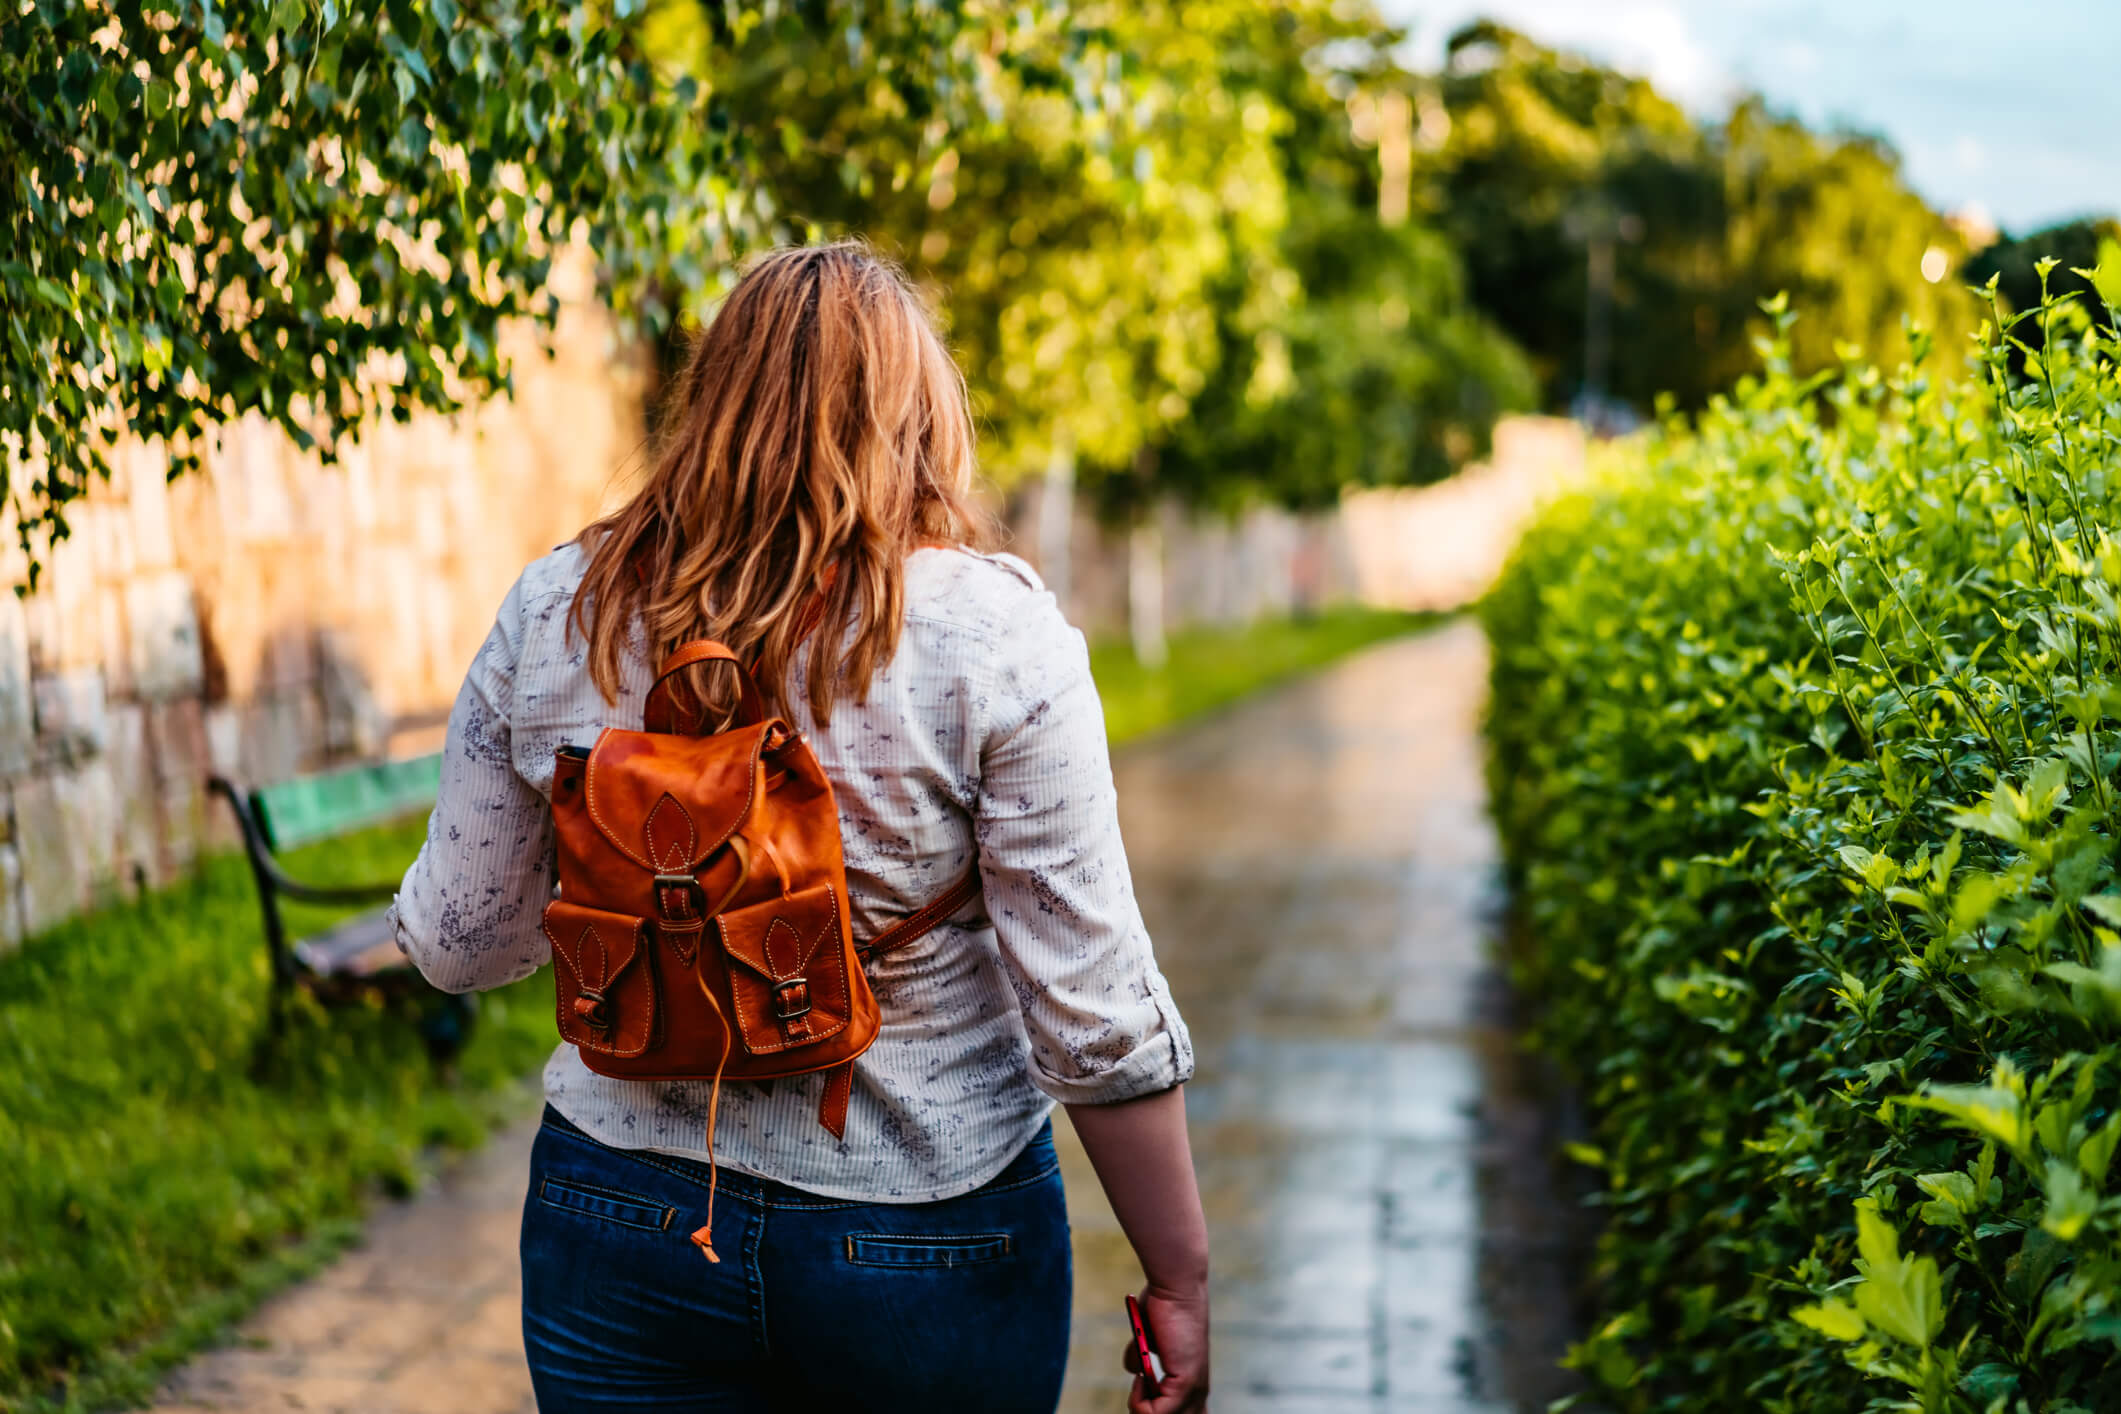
1145	1350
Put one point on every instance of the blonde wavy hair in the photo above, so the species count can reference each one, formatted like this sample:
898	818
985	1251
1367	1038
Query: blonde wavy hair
820	434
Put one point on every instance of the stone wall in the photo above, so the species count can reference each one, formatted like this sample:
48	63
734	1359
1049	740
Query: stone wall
271	615
1416	548
1441	546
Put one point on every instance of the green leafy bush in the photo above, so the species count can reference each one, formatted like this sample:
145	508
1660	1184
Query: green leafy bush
1805	726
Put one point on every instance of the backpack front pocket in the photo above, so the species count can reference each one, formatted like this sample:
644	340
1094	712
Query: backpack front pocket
788	970
605	985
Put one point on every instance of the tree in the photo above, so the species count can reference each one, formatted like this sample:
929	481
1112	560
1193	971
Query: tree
1829	221
218	209
2014	263
1376	369
1628	247
321	213
1069	239
1074	240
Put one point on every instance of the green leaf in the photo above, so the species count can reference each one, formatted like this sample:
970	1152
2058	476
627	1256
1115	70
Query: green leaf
2106	906
2096	1154
2070	1204
1987	1383
2102	983
1901	1297
1954	1196
1985	1109
1997	818
1831	1319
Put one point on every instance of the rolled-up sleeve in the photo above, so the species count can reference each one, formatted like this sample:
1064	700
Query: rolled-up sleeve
1100	1018
469	911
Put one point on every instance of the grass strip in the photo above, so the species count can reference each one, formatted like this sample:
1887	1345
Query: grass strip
157	1188
1209	668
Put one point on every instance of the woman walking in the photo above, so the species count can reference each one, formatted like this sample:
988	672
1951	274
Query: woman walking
810	509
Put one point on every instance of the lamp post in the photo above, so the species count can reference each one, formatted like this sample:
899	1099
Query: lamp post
1600	224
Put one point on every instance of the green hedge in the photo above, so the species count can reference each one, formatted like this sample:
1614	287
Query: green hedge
1804	728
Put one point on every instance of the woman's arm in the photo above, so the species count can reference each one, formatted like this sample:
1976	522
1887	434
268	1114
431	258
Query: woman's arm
469	911
1106	1040
1054	875
1145	1166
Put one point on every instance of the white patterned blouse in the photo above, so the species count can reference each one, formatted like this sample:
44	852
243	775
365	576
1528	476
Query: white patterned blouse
983	733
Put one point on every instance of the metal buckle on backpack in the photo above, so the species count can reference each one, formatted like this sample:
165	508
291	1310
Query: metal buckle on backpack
781	1008
693	892
591	1009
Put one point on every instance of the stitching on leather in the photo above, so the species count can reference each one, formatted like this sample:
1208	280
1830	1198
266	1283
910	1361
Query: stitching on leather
591	935
766	950
832	927
546	927
568	1032
751	791
663	858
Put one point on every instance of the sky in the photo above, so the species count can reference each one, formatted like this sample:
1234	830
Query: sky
2011	109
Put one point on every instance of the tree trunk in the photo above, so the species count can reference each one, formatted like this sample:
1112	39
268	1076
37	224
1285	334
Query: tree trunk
1056	518
1145	591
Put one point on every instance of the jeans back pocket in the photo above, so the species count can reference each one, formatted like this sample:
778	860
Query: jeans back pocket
890	1249
625	1209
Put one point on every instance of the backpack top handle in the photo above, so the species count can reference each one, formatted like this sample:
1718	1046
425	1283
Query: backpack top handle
660	714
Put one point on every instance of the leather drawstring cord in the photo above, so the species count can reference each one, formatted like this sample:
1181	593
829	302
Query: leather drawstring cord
703	1236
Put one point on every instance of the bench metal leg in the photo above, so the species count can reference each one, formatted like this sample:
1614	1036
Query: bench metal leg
445	1024
279	964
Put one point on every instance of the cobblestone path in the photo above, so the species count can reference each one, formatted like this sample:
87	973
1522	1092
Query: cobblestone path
1319	875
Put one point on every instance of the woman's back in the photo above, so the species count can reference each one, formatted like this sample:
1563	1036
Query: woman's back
982	737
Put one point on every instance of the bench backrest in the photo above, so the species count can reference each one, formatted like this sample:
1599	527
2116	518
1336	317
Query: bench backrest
331	803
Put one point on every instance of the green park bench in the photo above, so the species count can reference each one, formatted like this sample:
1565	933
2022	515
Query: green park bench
357	958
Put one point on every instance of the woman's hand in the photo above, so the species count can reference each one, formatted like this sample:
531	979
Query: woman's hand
1180	1326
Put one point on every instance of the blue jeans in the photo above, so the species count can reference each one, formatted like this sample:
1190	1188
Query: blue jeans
959	1304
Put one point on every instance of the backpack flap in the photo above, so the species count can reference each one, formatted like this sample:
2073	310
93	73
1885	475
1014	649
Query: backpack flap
788	972
605	985
667	802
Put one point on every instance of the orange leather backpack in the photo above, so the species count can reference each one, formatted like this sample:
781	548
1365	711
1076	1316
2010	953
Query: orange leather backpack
701	929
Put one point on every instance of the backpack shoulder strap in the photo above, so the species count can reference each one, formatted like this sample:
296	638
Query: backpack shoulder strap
924	919
839	1081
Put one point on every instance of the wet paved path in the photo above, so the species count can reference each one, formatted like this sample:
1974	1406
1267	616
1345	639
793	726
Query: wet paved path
1319	875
